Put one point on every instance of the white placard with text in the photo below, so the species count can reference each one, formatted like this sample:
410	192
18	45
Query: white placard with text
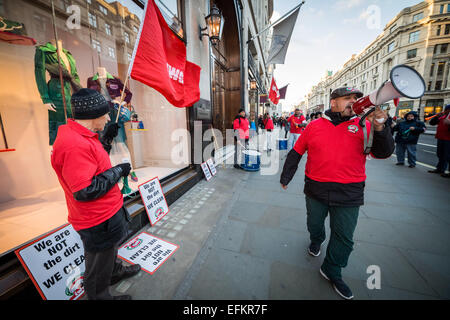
154	200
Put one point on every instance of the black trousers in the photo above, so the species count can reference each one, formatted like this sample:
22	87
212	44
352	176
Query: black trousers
443	154
100	251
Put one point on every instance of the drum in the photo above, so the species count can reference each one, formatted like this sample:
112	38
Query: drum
252	160
282	144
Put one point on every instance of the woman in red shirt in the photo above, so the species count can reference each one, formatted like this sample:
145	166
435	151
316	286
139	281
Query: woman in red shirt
268	125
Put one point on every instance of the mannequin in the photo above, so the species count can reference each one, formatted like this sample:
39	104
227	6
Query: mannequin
46	60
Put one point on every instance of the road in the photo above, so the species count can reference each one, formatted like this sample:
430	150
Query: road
426	150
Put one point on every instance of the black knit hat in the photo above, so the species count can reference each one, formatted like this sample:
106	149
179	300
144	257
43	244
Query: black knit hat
88	104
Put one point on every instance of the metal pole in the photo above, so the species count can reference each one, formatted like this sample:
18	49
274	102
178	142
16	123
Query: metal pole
59	61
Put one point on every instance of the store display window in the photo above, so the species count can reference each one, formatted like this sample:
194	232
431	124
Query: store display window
44	59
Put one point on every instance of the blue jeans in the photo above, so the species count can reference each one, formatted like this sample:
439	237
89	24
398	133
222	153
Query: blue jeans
293	137
400	149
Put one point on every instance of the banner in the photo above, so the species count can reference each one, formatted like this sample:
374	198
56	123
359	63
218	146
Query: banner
280	39
159	61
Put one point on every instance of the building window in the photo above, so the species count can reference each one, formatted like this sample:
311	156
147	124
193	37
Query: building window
127	37
435	49
411	53
438	85
136	30
432	70
92	20
391	46
111	52
444	47
96	45
440	70
392	28
103	9
108	29
429	85
417	17
441	11
89	1
414	36
438	33
447	29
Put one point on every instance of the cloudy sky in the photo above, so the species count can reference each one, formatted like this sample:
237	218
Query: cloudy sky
326	35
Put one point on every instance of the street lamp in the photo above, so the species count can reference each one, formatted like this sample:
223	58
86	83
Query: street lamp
214	25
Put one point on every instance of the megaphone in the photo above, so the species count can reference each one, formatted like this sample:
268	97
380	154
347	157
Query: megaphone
404	82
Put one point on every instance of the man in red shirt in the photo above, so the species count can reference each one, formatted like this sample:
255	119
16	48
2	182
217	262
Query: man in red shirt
442	120
241	127
297	124
94	200
335	178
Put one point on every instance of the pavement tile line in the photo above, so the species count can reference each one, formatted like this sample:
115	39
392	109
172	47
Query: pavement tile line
186	284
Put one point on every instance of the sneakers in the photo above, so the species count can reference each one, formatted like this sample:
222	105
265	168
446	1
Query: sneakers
314	249
127	273
339	286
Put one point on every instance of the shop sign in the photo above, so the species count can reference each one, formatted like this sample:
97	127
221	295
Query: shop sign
212	167
148	251
154	200
206	171
55	264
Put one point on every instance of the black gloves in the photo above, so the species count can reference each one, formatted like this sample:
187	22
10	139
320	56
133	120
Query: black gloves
111	130
126	168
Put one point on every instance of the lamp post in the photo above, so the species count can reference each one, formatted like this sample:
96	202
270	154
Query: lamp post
214	25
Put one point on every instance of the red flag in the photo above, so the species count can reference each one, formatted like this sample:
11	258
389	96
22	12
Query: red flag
274	94
160	61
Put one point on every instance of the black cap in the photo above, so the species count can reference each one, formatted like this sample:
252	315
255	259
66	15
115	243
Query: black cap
88	104
345	91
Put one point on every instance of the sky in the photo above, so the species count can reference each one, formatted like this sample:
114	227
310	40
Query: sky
326	35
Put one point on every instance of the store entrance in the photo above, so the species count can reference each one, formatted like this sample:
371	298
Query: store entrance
226	73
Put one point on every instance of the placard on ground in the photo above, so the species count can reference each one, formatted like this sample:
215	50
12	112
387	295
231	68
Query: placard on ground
55	264
212	167
206	171
148	251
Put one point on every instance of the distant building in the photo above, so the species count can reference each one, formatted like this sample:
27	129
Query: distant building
419	36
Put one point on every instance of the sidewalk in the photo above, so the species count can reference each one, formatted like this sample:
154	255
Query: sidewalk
242	237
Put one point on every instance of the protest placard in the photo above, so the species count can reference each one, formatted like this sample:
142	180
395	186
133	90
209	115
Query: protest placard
206	171
55	264
148	251
211	166
154	200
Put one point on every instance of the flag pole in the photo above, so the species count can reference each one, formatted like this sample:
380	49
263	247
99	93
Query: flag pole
277	22
130	66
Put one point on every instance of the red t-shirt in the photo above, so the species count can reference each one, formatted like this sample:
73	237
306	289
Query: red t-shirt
443	130
335	153
294	121
242	127
268	124
77	157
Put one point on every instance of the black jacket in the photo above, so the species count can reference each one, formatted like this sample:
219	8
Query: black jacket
333	193
404	134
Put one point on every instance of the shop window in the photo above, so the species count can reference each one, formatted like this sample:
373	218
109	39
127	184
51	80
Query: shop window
411	53
414	36
171	13
92	20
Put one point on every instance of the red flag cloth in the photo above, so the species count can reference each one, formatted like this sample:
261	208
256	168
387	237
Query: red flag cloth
274	94
160	61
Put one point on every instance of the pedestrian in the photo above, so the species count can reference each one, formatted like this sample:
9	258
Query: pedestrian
318	114
260	122
407	137
268	124
241	136
94	200
442	120
285	124
297	123
335	178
